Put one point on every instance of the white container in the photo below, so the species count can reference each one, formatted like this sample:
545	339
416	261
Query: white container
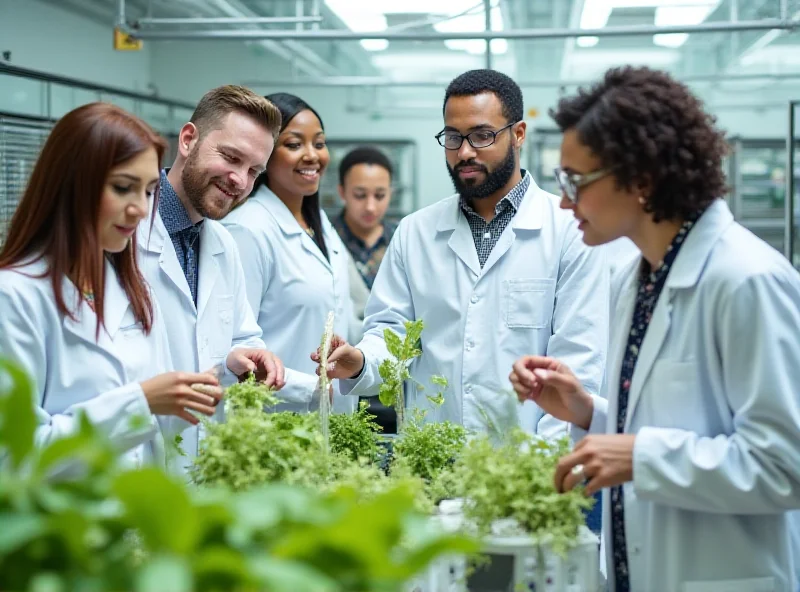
517	563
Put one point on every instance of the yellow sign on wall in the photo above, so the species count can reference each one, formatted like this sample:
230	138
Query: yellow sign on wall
124	42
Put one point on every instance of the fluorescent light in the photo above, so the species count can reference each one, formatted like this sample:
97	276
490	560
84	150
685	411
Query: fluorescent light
374	44
669	13
587	41
670	39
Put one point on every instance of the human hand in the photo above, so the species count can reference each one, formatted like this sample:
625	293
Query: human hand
175	393
267	367
553	387
602	460
344	360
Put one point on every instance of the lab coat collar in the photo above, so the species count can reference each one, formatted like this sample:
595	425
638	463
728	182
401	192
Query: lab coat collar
84	325
529	216
706	232
685	272
267	199
273	204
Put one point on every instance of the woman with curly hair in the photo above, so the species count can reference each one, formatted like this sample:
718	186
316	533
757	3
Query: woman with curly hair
697	442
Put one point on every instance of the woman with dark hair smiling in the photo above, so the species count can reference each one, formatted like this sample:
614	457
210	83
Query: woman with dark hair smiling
697	445
296	267
75	312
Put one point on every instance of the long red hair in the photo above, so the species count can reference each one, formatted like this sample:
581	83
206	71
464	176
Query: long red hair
58	213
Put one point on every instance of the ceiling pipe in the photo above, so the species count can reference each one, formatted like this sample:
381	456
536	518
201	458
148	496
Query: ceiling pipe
347	35
265	20
373	81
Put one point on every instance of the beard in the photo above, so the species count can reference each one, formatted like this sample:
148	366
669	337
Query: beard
203	194
494	181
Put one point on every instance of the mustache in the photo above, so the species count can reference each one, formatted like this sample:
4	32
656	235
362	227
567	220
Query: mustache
464	164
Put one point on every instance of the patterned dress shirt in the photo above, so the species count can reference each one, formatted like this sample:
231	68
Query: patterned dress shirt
486	234
651	282
185	236
367	259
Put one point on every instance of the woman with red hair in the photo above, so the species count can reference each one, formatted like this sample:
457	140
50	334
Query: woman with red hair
75	312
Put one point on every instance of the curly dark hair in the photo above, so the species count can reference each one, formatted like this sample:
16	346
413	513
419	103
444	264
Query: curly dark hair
363	155
475	82
652	131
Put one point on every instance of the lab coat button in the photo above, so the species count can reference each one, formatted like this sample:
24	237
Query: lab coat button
474	299
470	344
468	388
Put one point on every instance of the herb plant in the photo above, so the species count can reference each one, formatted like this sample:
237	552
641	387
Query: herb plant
515	481
355	435
394	370
249	394
429	448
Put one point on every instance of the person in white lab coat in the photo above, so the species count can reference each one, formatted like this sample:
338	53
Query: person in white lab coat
192	262
493	271
295	264
74	311
698	438
365	187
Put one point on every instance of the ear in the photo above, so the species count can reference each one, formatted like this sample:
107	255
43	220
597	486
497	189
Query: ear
520	131
187	139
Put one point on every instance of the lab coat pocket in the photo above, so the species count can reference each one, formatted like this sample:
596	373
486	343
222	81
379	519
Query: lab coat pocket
222	338
676	400
766	584
528	302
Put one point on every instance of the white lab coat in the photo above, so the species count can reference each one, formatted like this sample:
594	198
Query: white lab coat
73	371
200	337
714	405
291	288
542	291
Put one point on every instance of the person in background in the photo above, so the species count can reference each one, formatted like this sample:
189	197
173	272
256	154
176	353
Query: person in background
696	446
295	264
192	262
75	313
365	186
493	271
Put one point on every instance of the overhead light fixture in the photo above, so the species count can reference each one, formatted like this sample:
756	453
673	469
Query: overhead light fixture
375	44
587	41
369	16
669	13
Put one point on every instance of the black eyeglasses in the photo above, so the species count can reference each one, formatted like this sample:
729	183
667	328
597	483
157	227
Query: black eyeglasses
571	182
450	140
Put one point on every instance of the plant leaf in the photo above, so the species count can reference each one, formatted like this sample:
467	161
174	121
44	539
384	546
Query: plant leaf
19	423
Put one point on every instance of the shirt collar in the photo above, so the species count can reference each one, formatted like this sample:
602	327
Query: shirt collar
513	198
341	225
172	210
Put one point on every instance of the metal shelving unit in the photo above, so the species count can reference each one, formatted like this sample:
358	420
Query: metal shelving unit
757	180
544	155
21	139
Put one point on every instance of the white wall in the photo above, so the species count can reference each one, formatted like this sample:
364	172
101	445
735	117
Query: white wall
44	37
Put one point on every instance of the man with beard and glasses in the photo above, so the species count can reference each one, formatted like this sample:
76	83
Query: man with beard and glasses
192	263
496	271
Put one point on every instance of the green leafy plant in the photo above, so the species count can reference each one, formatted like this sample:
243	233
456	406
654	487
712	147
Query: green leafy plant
514	481
249	394
355	435
142	530
429	448
394	370
252	448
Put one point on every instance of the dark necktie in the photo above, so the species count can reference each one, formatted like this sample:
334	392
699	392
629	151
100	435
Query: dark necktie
189	239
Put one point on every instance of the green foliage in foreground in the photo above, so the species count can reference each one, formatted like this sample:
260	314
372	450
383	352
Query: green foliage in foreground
142	530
